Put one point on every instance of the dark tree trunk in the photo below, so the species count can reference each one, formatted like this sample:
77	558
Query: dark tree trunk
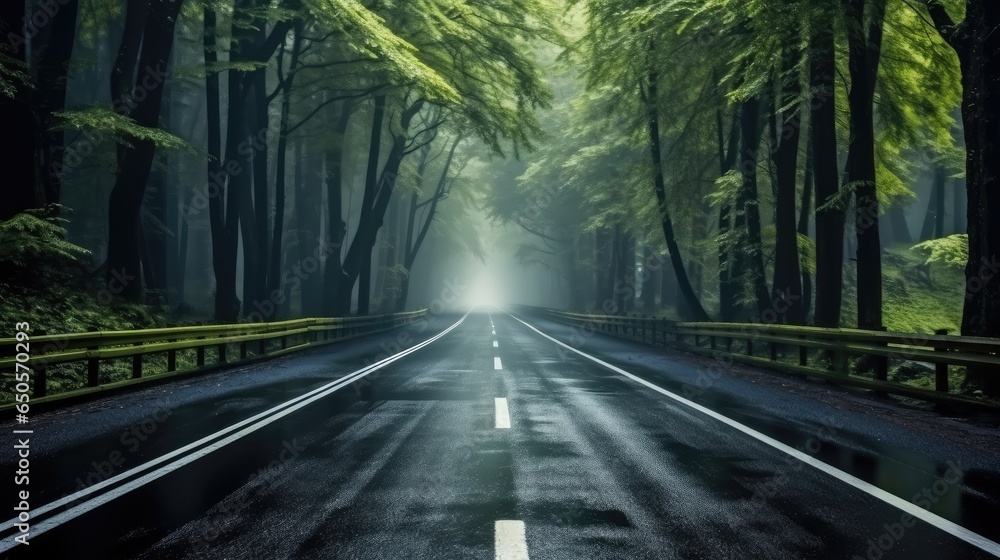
749	206
787	287
978	46
803	227
124	270
728	151
21	194
371	184
935	212
52	50
865	27
651	280
221	216
334	279
373	215
829	216
413	239
698	312
261	181
274	281
897	221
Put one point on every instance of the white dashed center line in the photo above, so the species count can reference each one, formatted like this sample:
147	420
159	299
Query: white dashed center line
502	415
496	344
509	541
497	364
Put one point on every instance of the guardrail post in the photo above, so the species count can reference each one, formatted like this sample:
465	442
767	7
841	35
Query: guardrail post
803	352
223	350
137	363
262	347
941	369
39	386
93	365
881	362
774	351
749	346
243	350
200	354
665	333
172	359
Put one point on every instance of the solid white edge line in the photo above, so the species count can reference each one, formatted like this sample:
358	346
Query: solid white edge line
950	527
275	413
502	414
496	363
509	542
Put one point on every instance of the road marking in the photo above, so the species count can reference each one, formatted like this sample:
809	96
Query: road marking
496	344
494	331
509	542
502	415
221	439
950	527
496	363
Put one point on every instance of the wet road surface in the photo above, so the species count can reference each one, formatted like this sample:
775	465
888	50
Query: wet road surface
489	437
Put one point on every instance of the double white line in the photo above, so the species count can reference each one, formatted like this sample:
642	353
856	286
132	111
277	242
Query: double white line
165	464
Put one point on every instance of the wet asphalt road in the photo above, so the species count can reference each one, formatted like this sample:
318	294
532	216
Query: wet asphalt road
416	460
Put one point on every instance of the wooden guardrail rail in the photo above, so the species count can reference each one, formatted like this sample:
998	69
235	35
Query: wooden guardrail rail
786	348
43	351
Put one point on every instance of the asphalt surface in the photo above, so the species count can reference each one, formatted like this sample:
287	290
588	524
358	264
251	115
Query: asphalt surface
506	445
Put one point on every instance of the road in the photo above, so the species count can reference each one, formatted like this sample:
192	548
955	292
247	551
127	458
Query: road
507	436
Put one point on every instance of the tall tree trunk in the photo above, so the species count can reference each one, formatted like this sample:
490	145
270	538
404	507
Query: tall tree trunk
373	215
334	279
865	28
750	204
928	230
650	282
371	184
897	221
803	227
52	49
16	114
829	216
130	187
787	288
274	281
728	151
698	312
261	181
221	218
978	46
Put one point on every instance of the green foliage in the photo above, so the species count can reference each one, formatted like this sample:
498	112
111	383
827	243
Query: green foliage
952	251
33	249
12	72
46	280
120	128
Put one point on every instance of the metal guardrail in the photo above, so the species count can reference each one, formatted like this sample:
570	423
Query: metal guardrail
837	345
96	346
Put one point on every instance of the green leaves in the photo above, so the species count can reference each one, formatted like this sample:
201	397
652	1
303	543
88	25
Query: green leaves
952	251
120	128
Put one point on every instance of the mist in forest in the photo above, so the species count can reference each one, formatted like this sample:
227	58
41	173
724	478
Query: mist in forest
803	163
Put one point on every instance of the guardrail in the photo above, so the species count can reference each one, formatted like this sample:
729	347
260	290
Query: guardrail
786	348
249	340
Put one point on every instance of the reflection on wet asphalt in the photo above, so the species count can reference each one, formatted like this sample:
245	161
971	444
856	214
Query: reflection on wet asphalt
409	463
